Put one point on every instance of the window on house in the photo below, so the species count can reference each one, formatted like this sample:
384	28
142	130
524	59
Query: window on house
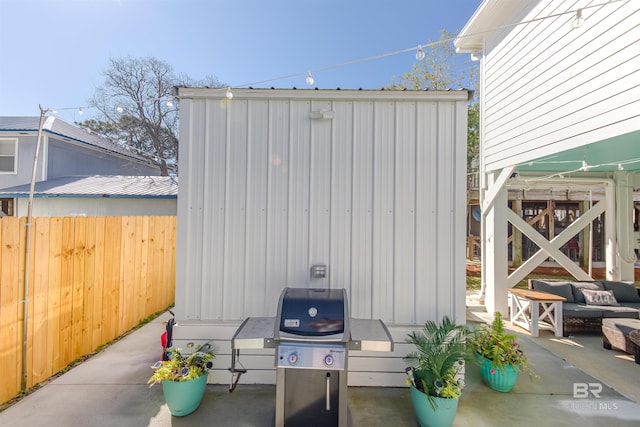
6	207
8	151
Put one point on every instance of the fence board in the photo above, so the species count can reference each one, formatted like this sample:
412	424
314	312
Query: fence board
39	368
54	359
98	283
10	357
77	301
88	308
66	290
91	279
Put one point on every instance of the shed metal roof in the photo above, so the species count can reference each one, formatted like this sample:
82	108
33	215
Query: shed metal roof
116	186
62	129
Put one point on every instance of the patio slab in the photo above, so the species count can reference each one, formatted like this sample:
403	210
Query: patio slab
110	389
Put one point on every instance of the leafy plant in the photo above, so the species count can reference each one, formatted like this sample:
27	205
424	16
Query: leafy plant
179	367
500	347
439	354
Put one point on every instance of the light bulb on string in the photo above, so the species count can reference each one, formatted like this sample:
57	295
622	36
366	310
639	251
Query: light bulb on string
420	53
578	20
620	167
119	109
80	112
169	103
309	78
229	94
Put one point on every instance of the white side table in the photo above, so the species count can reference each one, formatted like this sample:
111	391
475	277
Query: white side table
526	311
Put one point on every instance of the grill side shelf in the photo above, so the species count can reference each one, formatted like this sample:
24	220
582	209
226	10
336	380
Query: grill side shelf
370	335
254	333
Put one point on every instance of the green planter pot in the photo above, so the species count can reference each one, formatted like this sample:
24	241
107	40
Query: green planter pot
498	379
184	397
443	415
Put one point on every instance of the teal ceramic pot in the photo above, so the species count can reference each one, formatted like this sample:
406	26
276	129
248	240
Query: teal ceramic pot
498	379
443	415
184	397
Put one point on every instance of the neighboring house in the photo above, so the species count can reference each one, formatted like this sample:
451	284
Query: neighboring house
560	110
98	195
369	183
65	150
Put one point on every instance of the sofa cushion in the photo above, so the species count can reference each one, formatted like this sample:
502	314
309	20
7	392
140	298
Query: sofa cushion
619	312
581	310
599	297
634	305
624	292
577	287
562	289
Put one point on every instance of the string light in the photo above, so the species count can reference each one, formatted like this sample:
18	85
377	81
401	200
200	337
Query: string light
169	103
620	166
420	54
80	111
119	109
579	20
309	78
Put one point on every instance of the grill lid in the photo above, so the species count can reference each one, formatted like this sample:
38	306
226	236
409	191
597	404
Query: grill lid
312	312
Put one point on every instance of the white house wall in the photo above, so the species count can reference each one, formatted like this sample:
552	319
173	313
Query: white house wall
544	92
375	190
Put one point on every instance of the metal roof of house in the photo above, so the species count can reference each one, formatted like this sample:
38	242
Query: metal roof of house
116	186
58	127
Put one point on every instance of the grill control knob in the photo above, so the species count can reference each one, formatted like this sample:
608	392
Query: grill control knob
328	360
293	358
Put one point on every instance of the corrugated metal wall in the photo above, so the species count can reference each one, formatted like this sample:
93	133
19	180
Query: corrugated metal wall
373	187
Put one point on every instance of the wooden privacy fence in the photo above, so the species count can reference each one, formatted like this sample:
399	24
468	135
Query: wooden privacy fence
91	279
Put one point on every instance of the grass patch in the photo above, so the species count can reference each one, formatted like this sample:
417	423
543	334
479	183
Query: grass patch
474	283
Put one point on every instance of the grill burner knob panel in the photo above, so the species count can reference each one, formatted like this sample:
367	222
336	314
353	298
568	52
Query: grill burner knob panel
307	355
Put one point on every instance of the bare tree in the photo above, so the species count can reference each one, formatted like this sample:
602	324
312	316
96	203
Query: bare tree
138	110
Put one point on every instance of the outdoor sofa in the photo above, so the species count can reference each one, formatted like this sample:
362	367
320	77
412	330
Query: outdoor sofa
585	315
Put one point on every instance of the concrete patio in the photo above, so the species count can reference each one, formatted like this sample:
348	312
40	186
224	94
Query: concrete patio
110	389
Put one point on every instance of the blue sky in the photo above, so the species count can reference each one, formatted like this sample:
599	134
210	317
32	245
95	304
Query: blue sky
53	52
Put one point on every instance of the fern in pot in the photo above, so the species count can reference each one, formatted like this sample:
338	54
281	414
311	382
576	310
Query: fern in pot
499	355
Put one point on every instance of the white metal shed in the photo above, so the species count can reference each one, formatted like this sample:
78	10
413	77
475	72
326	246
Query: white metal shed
370	184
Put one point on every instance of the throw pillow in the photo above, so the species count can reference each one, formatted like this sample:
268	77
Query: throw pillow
599	297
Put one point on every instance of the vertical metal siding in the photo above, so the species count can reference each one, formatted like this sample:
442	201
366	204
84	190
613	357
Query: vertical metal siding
376	193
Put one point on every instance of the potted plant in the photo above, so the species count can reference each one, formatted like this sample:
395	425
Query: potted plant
183	378
499	355
434	378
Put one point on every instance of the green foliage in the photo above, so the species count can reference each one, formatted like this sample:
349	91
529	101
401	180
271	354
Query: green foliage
183	368
442	69
439	355
500	347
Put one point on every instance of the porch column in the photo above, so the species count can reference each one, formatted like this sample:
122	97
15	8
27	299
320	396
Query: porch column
516	236
494	255
585	238
624	225
611	266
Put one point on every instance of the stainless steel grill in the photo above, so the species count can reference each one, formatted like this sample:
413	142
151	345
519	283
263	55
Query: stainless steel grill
312	334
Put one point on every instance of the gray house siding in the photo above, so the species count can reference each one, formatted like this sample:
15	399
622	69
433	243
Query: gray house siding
67	159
